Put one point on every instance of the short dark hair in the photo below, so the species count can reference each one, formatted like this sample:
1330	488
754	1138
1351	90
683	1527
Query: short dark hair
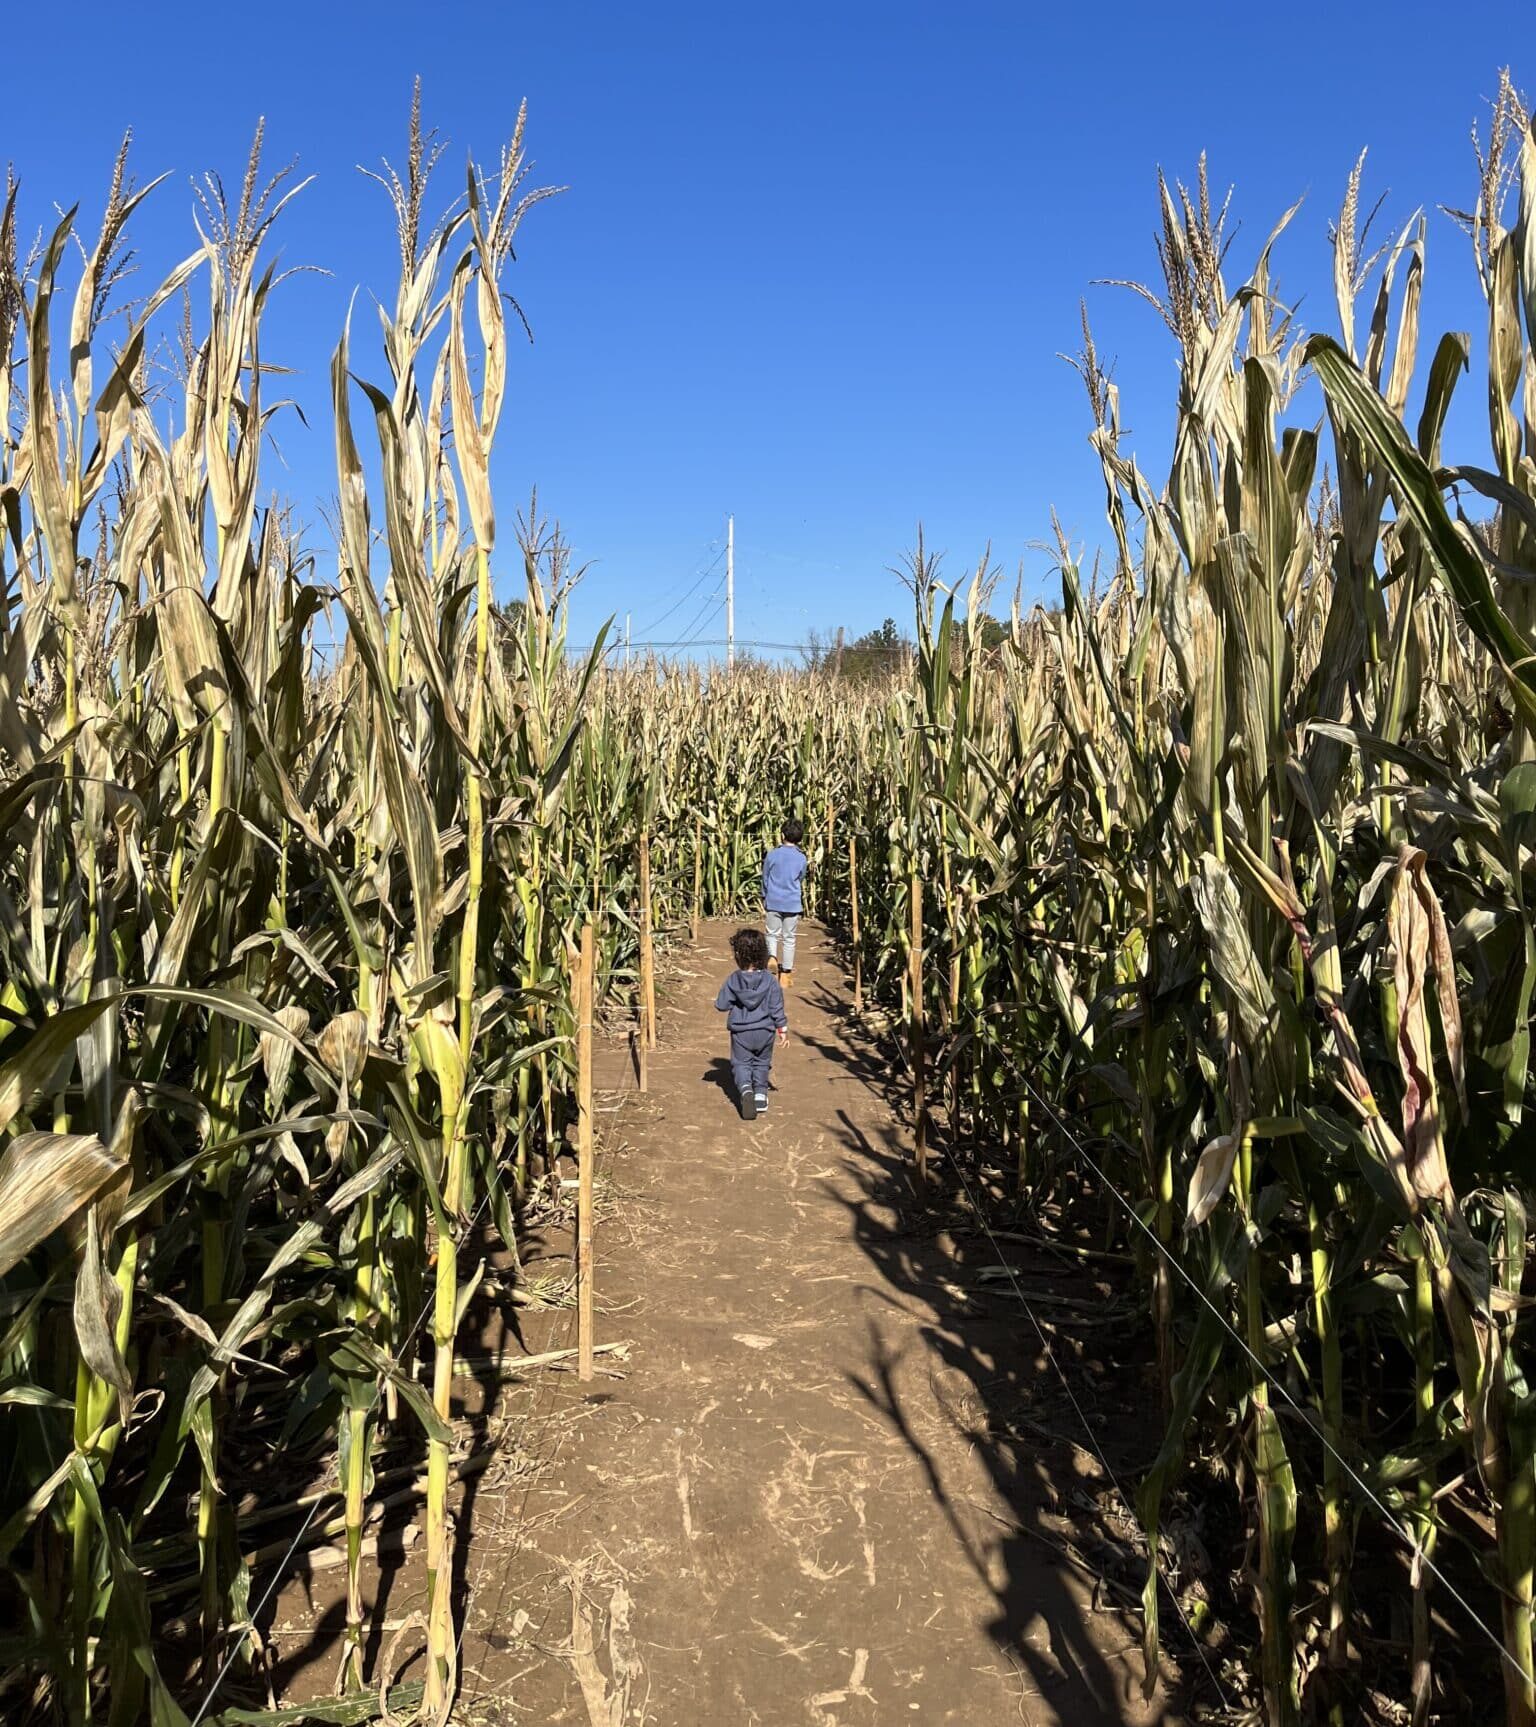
749	947
794	831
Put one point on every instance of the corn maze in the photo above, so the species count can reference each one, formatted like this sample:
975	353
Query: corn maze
1227	860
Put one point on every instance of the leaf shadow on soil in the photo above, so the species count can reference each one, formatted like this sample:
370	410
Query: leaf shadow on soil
996	1388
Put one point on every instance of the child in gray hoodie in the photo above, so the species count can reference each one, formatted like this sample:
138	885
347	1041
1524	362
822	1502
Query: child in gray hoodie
752	999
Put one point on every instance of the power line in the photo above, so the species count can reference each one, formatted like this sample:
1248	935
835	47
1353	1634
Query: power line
778	647
698	583
702	616
693	640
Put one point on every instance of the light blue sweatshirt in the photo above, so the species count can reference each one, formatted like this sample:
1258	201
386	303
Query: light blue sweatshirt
783	871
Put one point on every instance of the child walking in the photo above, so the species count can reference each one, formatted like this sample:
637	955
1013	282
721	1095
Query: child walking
752	999
783	872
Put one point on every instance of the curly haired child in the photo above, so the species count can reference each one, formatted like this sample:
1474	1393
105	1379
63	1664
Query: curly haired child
754	1004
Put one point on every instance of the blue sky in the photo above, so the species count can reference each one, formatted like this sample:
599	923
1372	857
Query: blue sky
817	262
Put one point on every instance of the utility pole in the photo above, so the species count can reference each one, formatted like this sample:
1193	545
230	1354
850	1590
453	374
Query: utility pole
626	638
730	592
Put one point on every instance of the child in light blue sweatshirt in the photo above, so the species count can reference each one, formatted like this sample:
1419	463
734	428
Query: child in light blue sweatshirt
784	871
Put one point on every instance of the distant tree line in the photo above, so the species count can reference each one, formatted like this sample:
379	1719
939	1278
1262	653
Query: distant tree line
878	652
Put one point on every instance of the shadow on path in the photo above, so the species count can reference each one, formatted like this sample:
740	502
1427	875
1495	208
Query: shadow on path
839	1480
1065	1561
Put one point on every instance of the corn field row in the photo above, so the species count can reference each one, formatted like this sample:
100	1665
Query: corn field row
1226	869
286	935
1232	858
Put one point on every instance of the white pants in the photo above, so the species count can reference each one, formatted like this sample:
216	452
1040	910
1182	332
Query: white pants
782	924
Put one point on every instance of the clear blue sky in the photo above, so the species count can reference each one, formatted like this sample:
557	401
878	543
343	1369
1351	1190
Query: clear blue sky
817	261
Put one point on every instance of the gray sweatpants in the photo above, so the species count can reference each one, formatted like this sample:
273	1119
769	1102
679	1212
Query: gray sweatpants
781	927
751	1059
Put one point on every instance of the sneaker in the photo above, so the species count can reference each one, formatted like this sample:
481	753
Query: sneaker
748	1106
786	980
762	1102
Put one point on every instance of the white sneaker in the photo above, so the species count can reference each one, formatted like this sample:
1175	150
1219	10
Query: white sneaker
762	1103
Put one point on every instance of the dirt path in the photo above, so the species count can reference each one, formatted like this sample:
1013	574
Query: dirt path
829	1487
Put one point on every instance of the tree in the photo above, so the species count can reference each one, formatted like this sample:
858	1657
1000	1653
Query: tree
993	633
876	653
873	654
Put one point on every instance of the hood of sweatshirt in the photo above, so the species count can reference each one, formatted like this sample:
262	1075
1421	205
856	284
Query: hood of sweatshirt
754	991
754	1000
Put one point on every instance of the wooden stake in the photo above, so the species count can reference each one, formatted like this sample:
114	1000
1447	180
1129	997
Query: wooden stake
953	1102
1023	1157
951	999
919	1076
585	989
698	875
647	954
853	901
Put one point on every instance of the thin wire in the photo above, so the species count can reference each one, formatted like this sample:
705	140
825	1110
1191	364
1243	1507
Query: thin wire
1066	1384
694	642
282	1568
719	642
702	616
699	582
1397	1528
277	1577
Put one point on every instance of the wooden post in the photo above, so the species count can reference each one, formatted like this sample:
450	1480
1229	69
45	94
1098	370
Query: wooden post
919	1076
647	954
853	902
952	994
1023	1158
698	875
585	990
